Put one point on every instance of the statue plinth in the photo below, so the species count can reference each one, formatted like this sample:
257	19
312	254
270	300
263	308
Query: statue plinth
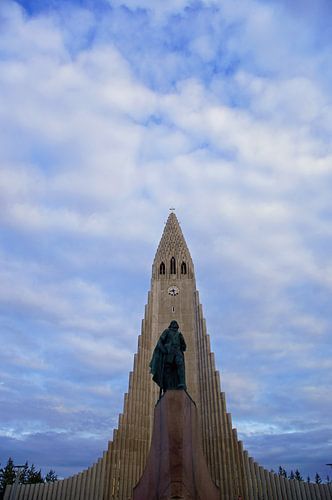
176	466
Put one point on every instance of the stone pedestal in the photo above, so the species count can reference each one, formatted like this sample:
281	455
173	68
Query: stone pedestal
176	466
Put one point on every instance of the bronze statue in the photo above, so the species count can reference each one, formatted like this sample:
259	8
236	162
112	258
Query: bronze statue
167	364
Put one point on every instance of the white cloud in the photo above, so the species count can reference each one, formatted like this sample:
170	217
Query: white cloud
23	36
70	303
243	390
100	353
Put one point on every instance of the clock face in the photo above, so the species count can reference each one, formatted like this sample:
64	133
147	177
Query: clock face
173	290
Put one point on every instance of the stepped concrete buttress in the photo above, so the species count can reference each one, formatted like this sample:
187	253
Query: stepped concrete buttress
176	466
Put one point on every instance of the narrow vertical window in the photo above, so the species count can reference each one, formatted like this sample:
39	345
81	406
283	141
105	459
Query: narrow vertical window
162	268
183	268
173	267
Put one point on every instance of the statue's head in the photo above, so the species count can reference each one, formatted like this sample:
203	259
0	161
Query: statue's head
174	325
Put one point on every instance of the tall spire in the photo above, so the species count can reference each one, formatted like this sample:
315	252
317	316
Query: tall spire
172	244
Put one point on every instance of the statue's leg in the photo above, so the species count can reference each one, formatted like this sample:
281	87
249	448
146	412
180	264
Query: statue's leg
181	372
167	376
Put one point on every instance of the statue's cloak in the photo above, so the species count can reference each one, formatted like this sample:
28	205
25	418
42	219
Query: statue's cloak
157	365
170	345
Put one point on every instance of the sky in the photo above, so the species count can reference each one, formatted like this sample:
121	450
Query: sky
111	112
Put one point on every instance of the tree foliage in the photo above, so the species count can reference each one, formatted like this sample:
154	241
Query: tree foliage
282	472
298	476
51	477
7	474
27	475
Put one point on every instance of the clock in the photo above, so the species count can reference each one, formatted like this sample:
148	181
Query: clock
173	290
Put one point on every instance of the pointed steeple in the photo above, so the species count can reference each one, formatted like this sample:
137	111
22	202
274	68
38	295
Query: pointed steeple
172	246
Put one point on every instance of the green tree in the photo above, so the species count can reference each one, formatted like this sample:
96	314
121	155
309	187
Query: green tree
51	477
7	474
297	475
282	472
34	476
318	479
24	473
308	479
291	475
27	475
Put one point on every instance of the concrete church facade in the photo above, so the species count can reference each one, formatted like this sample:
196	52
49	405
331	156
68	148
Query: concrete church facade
173	295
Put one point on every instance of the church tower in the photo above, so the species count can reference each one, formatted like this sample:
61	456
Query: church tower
173	295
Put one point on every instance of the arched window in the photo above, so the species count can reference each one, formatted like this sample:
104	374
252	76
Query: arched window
173	266
162	268
183	268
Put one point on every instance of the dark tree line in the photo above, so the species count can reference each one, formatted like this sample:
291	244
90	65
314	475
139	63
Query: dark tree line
297	475
27	475
30	475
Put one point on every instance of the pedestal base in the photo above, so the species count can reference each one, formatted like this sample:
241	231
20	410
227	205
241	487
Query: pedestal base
176	467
